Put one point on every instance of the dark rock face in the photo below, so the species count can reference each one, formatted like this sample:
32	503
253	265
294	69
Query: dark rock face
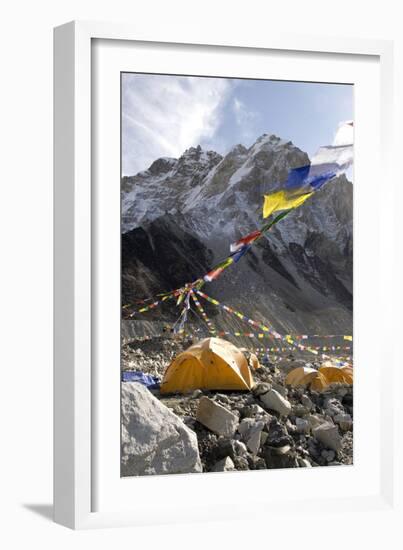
160	256
161	166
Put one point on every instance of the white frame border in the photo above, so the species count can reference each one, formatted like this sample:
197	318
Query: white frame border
72	206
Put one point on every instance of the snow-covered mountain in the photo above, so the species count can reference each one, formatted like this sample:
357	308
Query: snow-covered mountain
180	216
165	186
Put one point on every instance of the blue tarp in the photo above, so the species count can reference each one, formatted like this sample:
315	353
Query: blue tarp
151	382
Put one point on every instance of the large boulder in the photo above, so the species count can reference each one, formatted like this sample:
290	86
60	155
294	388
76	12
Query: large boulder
154	440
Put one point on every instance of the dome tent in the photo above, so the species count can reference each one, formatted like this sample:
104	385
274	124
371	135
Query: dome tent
300	376
254	361
211	364
340	375
319	380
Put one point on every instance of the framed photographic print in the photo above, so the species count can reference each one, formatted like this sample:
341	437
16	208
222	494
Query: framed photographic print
213	271
217	341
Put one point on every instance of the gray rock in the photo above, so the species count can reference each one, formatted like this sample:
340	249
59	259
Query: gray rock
304	463
333	407
328	435
277	434
231	448
328	455
275	458
302	425
249	399
348	399
299	410
154	440
263	437
314	420
241	463
276	402
313	449
282	390
239	448
345	421
196	394
222	398
245	427
260	389
291	428
224	465
253	410
307	402
253	442
259	463
216	418
249	426
251	432
288	424
281	450
189	421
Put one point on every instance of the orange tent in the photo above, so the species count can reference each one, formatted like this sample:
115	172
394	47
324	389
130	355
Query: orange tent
301	376
341	375
254	361
211	364
319	380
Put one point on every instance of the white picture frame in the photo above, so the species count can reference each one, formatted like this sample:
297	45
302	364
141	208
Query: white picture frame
81	428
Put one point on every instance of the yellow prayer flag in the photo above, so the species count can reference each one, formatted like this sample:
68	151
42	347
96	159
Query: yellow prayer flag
350	338
282	201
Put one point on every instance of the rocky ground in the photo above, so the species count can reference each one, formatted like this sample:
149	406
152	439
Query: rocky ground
272	426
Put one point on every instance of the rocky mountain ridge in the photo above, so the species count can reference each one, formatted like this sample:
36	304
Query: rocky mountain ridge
180	216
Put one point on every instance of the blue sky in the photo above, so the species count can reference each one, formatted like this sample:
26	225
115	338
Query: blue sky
162	116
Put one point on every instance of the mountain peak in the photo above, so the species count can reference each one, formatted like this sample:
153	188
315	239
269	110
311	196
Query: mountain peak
198	154
197	159
238	149
272	140
162	165
193	151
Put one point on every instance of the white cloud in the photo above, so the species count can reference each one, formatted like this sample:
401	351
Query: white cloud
164	115
237	106
239	110
245	118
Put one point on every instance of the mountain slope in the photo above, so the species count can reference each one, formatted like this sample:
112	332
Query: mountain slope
180	216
